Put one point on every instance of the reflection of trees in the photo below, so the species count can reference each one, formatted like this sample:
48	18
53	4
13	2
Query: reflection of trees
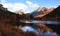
55	28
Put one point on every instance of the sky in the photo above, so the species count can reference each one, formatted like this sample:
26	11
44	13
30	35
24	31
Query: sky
28	6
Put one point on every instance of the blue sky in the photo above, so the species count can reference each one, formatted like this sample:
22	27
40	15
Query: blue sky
28	5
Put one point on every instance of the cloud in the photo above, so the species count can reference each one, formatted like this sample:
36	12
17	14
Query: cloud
28	2
7	5
31	4
19	6
54	6
15	6
35	5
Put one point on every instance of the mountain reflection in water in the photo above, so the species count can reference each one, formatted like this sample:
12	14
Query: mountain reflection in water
46	22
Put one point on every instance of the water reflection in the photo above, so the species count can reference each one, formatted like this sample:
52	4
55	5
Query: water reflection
36	22
39	21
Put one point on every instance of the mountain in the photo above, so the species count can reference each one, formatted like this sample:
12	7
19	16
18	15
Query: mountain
20	12
41	11
38	13
46	12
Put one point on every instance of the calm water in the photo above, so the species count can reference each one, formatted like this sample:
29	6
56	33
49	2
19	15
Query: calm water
46	22
39	21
